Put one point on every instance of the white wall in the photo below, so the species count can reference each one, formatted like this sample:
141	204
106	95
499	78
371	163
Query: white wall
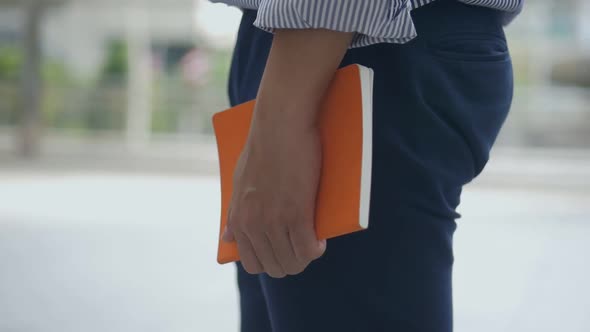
79	31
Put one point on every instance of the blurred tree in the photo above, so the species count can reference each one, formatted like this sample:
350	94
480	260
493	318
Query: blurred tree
10	69
106	103
31	79
116	63
54	76
11	62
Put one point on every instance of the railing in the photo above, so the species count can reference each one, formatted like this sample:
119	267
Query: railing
176	108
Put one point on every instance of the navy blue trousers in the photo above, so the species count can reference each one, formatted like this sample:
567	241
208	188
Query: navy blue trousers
439	103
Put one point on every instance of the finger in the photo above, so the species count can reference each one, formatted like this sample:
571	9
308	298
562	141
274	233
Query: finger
248	256
305	243
284	252
266	255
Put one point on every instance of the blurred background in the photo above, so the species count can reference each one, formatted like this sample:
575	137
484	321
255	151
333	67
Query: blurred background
109	194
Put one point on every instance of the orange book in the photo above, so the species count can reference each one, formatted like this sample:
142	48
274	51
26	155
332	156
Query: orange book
346	124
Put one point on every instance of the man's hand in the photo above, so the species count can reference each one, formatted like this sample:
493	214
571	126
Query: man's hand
275	182
272	209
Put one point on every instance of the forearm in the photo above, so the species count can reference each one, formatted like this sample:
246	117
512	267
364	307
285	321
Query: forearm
299	69
276	178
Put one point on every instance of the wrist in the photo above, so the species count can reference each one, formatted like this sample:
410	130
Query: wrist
284	116
298	71
284	129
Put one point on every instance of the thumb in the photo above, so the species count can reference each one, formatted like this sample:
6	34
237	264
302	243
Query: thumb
228	236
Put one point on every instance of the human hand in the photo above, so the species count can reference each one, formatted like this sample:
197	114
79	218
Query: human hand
271	215
273	203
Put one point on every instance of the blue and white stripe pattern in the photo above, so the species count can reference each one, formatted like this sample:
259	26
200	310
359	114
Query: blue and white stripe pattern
374	21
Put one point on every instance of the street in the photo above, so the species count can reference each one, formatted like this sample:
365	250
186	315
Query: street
95	252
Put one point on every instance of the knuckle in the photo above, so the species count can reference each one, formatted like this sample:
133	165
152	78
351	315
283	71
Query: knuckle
277	233
292	221
249	227
265	227
291	211
232	226
233	220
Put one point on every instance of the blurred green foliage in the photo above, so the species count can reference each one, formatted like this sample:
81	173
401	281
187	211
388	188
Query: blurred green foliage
106	99
116	60
180	106
10	63
53	73
10	68
86	105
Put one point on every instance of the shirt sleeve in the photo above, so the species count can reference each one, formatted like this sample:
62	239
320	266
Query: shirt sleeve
374	21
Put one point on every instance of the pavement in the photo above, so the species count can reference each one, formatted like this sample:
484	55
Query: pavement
128	244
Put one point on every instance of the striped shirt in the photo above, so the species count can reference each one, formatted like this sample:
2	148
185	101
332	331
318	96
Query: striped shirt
374	21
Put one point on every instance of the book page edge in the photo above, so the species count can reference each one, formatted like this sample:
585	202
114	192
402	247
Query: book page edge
366	76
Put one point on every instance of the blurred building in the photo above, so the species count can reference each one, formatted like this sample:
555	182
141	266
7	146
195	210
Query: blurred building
122	67
76	31
546	110
133	69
